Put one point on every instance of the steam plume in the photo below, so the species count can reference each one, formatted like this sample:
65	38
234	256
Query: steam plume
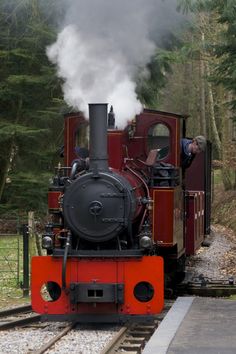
103	44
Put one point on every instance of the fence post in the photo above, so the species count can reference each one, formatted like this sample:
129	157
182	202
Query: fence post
31	229
25	260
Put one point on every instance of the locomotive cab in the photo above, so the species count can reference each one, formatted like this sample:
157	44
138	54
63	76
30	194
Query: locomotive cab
152	143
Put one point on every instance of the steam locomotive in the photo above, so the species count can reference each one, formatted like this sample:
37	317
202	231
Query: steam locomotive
122	220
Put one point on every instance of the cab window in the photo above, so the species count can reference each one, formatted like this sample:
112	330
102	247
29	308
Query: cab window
82	136
159	138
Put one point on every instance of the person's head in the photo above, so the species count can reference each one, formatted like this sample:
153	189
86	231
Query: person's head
81	152
198	144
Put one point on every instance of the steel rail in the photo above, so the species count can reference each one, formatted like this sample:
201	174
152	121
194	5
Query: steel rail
114	341
15	310
130	339
208	289
49	344
20	322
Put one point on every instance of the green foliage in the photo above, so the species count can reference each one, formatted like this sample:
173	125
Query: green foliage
30	99
19	131
187	6
26	191
153	79
226	49
11	257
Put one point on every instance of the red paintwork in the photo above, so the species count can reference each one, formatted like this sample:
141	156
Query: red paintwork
121	146
117	139
194	221
202	212
167	217
53	200
130	272
194	175
195	181
163	216
138	188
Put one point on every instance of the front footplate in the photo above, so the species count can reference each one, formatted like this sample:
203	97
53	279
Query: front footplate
112	287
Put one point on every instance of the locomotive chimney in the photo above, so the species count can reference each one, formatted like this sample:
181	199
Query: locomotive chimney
98	137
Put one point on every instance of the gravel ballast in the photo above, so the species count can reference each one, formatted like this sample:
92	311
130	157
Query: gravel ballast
218	261
80	340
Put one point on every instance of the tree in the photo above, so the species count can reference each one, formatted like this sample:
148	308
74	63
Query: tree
30	98
225	49
214	30
152	81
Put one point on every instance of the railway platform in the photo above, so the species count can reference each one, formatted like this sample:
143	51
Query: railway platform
196	325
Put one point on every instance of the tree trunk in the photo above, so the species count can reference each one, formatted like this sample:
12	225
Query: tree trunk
203	129
6	165
215	133
38	243
226	141
32	250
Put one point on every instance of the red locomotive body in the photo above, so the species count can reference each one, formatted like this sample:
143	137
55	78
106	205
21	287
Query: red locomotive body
118	220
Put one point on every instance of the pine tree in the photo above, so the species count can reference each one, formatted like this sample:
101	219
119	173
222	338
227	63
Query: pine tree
30	98
217	61
226	48
151	83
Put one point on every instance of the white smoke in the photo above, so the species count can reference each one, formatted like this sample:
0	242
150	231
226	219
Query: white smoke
103	44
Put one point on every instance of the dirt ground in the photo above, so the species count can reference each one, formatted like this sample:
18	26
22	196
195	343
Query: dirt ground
224	208
224	216
218	261
228	262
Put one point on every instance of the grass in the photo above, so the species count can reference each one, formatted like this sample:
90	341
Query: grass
11	251
11	270
217	177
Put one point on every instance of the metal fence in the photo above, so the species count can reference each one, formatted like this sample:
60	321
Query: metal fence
19	241
11	251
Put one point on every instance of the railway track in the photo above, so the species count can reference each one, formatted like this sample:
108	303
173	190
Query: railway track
55	339
18	316
23	316
133	338
130	339
203	286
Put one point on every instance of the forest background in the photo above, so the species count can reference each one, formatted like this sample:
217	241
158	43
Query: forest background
193	72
